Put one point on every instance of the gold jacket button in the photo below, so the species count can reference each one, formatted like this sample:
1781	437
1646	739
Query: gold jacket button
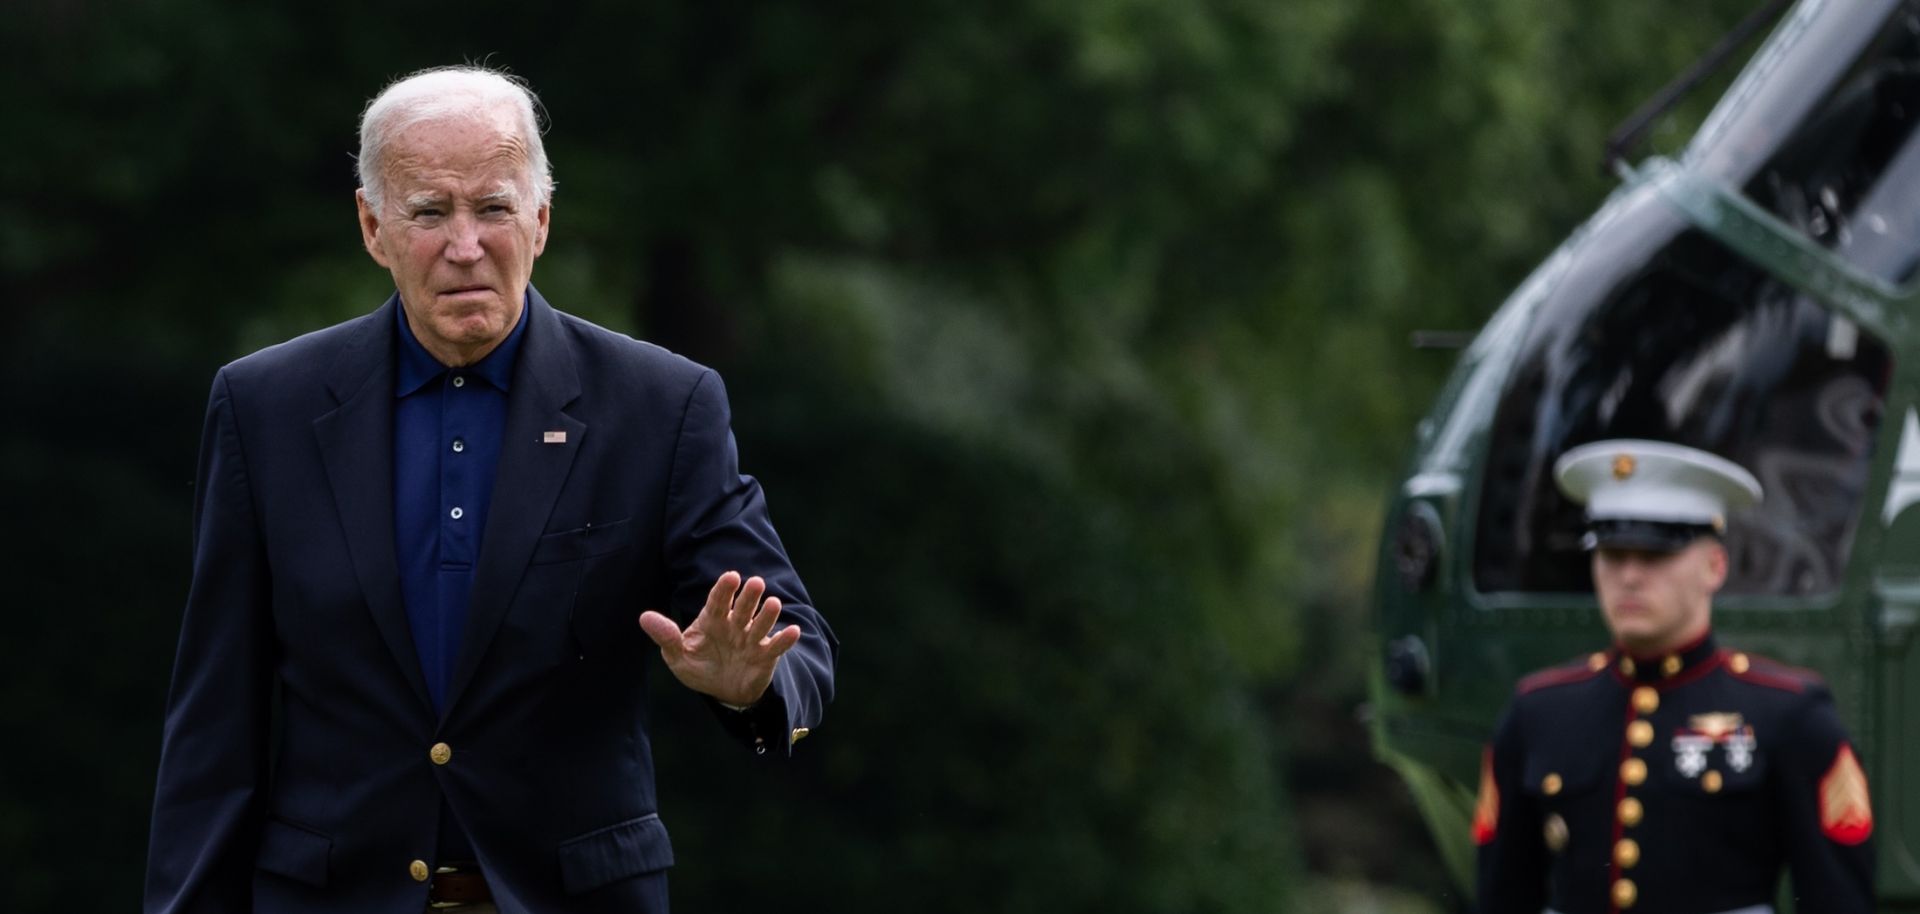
1711	782
1631	812
1550	785
1738	663
1640	734
441	753
1626	667
1646	700
1670	666
1633	771
1625	893
418	870
1597	662
1627	853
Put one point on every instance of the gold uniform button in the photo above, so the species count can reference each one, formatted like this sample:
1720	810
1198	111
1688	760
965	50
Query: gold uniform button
1646	700
1633	771
1550	785
1626	666
1739	663
1670	666
1597	662
441	753
1640	734
1625	893
1631	812
418	870
1627	853
1711	782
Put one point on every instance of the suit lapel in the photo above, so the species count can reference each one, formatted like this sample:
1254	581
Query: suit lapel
527	483
356	444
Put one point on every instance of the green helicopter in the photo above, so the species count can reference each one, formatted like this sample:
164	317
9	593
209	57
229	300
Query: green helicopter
1753	296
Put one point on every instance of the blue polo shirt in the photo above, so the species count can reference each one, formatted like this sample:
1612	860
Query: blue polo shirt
447	427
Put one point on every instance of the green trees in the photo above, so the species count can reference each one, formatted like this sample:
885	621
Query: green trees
1070	339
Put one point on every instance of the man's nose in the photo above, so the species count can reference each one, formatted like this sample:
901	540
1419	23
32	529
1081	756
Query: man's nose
463	238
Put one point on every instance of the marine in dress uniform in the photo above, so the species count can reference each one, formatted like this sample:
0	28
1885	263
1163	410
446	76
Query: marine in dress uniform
1668	774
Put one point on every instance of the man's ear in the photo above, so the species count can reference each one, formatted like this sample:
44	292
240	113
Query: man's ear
1717	562
369	227
541	219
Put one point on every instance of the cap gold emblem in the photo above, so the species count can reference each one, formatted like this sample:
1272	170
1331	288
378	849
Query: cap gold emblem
1623	466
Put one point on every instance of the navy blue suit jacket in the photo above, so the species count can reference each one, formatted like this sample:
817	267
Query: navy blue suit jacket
295	772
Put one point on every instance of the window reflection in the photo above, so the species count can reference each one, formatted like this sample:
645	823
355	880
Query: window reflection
1702	349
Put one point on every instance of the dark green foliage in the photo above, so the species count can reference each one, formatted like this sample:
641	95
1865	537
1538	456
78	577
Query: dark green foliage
1070	338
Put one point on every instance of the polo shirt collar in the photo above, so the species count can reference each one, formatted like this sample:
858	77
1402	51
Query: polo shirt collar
417	367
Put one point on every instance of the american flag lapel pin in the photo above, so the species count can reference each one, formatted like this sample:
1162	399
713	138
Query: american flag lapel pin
559	437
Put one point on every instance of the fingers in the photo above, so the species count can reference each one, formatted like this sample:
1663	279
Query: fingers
783	641
746	603
720	597
662	630
762	622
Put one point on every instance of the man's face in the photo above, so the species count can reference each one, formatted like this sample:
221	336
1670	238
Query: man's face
459	229
1658	601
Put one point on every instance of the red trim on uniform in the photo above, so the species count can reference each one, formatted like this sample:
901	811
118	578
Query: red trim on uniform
1486	812
1777	675
1714	662
1559	675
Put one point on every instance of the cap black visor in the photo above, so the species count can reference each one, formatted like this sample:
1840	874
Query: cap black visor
1651	536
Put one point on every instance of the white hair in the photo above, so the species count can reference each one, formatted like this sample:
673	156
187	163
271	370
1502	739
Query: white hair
442	92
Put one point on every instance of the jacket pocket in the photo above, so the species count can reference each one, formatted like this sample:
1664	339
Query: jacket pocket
583	542
297	853
616	852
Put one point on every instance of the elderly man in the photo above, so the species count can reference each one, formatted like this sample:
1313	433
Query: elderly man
1668	774
412	669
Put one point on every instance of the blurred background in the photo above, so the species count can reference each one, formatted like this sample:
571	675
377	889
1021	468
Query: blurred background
1070	339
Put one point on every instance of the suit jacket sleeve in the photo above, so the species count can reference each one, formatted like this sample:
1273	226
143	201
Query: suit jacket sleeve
213	755
717	522
1828	820
1512	860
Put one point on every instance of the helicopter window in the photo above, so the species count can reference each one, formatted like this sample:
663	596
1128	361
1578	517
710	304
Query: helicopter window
1701	348
1845	175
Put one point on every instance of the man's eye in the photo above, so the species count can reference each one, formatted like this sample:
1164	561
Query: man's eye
426	213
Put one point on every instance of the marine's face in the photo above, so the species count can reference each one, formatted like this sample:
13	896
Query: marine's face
1659	601
459	228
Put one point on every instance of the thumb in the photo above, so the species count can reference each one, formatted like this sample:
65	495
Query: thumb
662	630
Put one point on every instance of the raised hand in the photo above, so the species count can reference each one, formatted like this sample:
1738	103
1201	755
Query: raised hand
727	651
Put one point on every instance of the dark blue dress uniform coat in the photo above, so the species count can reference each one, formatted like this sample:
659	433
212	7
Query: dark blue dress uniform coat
1683	784
303	766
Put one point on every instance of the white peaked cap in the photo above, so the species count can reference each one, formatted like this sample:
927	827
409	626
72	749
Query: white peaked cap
1655	482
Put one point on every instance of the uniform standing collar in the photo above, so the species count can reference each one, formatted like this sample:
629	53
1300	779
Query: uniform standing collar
1657	668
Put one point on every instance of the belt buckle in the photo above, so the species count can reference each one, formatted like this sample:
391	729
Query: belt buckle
451	905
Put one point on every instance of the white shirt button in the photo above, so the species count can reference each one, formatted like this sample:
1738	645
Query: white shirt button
457	513
459	445
459	381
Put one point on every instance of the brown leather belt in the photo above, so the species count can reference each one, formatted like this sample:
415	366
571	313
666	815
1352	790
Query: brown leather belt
460	884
